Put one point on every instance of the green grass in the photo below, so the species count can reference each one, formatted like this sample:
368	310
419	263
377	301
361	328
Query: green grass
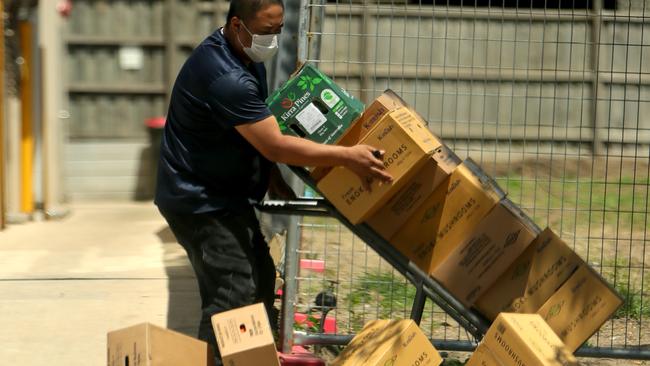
578	193
634	306
391	297
628	284
581	204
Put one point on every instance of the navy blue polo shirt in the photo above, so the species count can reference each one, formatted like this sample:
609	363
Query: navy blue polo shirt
205	164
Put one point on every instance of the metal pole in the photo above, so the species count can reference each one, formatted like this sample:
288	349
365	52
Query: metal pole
293	231
418	303
305	339
283	66
596	24
303	31
26	110
290	285
317	22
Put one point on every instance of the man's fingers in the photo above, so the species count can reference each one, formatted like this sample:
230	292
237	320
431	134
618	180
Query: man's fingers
367	183
377	164
378	155
381	174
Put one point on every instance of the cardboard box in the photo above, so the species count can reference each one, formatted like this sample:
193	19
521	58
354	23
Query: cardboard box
526	285
389	342
483	356
311	105
387	102
407	144
577	310
149	345
522	339
448	216
394	214
475	263
244	337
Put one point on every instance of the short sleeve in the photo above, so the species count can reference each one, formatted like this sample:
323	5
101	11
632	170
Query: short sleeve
236	98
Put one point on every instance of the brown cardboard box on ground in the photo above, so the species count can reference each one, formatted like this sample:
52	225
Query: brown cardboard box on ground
387	102
475	264
388	219
578	308
407	144
526	285
149	345
244	337
447	216
521	339
483	356
389	342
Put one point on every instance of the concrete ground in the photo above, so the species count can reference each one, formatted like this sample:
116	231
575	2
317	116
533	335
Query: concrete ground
64	284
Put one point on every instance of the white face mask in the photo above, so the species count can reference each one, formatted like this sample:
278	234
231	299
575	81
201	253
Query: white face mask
263	47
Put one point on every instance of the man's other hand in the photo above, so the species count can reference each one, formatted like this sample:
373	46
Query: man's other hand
278	187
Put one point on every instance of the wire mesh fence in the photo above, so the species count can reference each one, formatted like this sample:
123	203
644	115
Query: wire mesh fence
552	98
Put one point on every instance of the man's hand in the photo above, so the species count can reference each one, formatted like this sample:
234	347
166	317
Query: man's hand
278	187
364	161
266	137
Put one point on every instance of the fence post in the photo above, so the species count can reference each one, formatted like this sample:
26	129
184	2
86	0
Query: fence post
596	24
291	284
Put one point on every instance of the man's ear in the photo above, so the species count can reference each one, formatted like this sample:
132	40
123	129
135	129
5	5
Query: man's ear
236	23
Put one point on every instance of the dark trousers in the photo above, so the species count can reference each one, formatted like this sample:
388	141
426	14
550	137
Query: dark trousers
231	261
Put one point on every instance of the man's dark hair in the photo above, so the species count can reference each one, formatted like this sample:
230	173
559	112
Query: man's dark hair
247	9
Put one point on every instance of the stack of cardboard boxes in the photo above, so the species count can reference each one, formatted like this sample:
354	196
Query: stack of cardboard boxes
445	215
454	222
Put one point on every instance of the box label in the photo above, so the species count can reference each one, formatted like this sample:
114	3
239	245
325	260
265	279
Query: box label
311	118
329	97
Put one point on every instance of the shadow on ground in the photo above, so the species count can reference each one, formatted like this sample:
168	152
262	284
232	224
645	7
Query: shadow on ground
184	311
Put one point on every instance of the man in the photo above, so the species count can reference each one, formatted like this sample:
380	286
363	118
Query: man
217	155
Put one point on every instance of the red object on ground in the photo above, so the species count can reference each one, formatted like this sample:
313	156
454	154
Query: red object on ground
328	328
299	357
315	265
155	122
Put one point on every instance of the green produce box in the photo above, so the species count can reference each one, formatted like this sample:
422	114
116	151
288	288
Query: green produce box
312	106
